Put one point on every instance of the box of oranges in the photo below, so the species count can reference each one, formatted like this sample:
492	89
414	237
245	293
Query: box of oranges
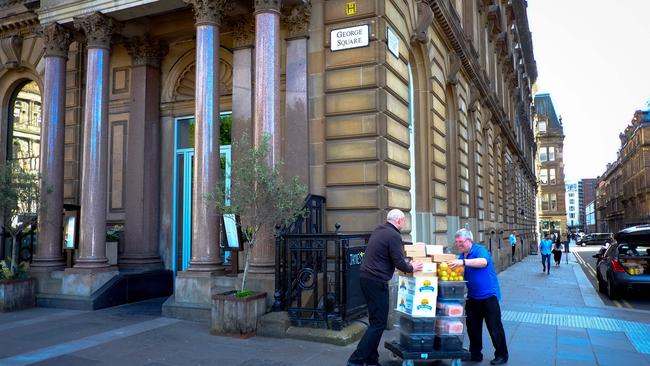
446	273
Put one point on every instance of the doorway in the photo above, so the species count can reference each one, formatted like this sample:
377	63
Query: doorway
184	181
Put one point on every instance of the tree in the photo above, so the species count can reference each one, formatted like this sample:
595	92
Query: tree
259	194
19	201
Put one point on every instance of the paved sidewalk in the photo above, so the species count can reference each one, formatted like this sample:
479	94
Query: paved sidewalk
555	319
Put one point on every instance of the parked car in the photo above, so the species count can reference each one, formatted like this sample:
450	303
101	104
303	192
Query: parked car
596	239
625	265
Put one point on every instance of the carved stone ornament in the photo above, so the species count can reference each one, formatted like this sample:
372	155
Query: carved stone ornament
454	66
57	39
98	28
494	20
243	32
268	6
12	47
425	18
297	20
146	50
209	11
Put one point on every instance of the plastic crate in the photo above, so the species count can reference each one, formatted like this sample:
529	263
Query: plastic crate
452	290
450	325
416	342
409	324
449	343
450	307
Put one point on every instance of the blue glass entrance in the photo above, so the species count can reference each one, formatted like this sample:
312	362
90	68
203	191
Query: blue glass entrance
183	182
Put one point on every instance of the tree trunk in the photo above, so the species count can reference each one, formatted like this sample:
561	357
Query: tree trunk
247	264
14	254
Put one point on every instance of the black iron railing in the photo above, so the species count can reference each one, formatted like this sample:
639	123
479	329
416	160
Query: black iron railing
317	273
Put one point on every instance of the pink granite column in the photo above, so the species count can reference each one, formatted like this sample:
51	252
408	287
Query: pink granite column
92	252
267	108
205	222
48	254
296	132
141	206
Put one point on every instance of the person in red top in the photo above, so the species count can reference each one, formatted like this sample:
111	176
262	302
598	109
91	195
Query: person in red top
383	254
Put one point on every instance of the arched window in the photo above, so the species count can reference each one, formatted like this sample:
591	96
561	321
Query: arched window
24	127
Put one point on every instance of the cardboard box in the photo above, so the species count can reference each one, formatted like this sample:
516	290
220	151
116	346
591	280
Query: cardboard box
422	283
418	305
417	250
439	258
429	268
434	249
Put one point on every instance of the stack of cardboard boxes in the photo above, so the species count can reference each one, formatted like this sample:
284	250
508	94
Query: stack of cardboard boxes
418	292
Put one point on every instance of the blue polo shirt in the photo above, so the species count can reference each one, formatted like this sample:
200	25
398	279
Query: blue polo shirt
482	283
546	246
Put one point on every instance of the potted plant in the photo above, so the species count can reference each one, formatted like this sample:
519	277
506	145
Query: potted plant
262	198
112	239
19	200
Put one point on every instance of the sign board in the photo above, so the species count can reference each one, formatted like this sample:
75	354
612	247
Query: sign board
346	38
350	8
232	234
393	42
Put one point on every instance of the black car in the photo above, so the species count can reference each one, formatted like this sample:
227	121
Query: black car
596	239
625	265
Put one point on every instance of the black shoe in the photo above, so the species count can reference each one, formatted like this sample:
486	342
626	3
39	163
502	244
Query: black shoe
499	361
476	358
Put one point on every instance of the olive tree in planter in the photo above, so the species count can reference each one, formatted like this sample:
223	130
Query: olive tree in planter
19	199
262	198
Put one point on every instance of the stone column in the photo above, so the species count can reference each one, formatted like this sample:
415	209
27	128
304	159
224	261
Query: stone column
141	227
296	138
267	108
48	255
205	223
98	29
242	84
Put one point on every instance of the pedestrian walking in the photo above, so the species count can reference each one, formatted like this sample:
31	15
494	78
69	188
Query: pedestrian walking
483	295
383	254
545	247
558	248
513	243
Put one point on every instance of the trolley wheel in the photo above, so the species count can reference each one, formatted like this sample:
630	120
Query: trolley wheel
408	363
456	362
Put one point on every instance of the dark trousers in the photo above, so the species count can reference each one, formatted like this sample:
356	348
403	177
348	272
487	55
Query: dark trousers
376	295
490	311
513	252
546	259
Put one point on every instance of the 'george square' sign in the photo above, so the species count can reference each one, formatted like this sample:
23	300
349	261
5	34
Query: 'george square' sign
353	37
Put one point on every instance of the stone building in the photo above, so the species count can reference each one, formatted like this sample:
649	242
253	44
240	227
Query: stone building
588	195
551	209
623	191
419	105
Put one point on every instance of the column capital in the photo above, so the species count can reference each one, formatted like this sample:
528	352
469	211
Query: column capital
243	32
98	28
146	50
297	20
57	39
268	6
209	11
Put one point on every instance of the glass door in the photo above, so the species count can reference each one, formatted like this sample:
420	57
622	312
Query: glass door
183	183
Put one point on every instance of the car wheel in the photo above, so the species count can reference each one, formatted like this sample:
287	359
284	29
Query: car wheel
612	292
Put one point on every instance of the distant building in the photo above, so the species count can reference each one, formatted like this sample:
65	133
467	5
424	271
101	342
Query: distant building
587	195
590	217
623	191
573	198
549	137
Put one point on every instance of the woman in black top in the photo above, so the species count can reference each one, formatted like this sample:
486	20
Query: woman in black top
558	248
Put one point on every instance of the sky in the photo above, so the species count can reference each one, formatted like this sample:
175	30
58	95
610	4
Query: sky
593	58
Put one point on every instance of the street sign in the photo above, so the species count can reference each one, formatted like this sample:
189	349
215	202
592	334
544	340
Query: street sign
393	42
346	38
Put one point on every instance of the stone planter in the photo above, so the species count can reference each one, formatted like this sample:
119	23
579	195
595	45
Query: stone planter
17	294
236	317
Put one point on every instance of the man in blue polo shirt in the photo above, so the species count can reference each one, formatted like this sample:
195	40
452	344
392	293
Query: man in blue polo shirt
483	296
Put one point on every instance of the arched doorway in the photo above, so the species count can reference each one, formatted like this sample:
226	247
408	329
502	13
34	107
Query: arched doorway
23	148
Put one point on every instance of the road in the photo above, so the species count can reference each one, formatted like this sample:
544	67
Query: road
588	264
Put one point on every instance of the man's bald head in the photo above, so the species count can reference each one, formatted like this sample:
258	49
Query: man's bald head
397	218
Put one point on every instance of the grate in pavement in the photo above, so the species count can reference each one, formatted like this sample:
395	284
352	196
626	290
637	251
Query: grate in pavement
637	333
